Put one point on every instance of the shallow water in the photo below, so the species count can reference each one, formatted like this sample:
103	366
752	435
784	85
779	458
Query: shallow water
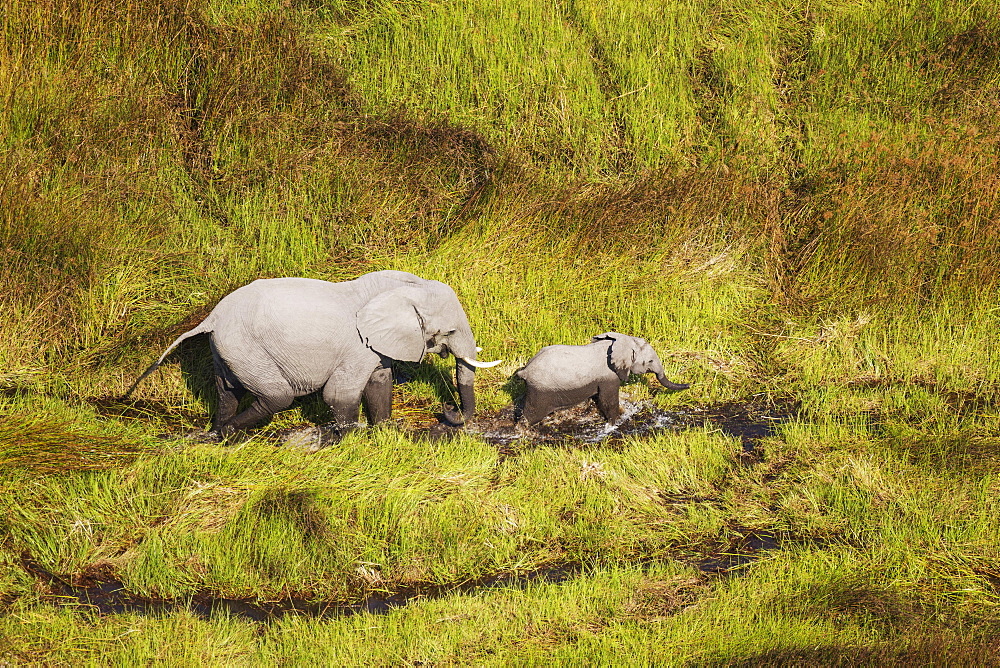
577	423
745	421
748	550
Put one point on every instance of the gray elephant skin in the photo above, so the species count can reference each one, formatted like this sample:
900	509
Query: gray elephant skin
282	338
563	376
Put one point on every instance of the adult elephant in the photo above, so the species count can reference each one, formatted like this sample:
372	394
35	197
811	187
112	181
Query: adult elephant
282	338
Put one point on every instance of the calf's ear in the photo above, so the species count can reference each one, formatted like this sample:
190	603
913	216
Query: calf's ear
621	353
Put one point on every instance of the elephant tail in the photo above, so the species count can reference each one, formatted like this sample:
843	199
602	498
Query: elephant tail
206	326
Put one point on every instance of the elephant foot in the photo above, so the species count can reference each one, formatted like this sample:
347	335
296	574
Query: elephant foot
310	439
523	429
452	416
202	436
613	421
334	432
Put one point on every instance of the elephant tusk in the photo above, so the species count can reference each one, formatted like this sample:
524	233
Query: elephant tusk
480	365
478	349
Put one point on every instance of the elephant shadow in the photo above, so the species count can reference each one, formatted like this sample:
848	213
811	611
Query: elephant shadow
430	373
195	359
516	389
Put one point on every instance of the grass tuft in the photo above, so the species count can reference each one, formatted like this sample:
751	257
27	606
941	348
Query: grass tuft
46	445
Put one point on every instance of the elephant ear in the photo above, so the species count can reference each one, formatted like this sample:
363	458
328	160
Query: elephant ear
390	324
621	354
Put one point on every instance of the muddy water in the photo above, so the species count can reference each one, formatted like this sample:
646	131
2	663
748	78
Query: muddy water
110	597
732	560
583	424
580	423
748	422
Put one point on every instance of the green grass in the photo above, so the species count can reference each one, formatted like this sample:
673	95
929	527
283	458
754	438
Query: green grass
794	203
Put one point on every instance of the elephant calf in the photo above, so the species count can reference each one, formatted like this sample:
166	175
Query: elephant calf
563	376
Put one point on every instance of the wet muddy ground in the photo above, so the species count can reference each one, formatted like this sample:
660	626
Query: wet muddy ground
98	591
749	422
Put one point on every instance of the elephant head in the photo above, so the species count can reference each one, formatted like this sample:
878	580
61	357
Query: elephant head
407	322
631	354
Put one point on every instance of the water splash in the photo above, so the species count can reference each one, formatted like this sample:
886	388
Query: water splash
579	423
629	410
749	422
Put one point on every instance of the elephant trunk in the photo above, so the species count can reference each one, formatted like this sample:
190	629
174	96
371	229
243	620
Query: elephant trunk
463	346
464	377
662	378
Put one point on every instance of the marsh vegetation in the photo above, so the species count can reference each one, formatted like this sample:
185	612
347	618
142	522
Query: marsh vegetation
795	203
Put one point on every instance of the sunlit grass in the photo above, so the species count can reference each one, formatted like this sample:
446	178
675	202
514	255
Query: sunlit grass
795	205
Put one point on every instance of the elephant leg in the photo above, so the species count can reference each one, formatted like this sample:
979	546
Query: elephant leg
345	414
262	407
230	393
537	404
344	403
607	401
378	396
